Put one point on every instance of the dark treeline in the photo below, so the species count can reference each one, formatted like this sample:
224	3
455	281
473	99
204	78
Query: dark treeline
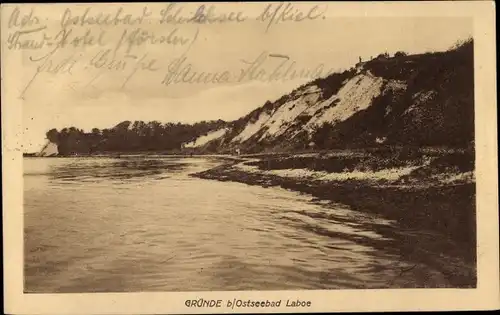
127	136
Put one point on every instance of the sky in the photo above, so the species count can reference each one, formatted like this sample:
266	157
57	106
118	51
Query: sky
58	99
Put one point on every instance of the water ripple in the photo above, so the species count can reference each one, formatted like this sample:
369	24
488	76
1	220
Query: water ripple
142	224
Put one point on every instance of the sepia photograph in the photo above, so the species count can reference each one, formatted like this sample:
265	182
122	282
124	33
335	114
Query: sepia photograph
197	147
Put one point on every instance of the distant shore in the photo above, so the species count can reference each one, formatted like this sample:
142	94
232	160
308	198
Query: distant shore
127	154
195	152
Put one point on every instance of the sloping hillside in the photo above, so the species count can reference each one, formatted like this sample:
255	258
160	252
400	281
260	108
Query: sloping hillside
204	139
416	100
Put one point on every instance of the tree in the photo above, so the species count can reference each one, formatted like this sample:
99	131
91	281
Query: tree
304	118
400	54
53	135
131	137
383	56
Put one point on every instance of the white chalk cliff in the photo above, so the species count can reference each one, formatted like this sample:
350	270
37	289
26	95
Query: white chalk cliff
417	100
50	149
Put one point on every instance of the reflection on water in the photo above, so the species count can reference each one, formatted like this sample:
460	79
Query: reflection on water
78	170
143	224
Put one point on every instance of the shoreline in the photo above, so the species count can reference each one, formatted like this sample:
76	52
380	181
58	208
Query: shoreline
393	199
370	197
428	149
437	219
125	155
432	214
445	208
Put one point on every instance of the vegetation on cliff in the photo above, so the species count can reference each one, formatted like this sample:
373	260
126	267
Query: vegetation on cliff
435	107
404	100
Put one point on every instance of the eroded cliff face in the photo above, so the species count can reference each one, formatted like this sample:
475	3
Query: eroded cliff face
416	100
308	108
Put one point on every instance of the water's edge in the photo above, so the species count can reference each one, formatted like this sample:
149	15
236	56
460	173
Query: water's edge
165	218
412	207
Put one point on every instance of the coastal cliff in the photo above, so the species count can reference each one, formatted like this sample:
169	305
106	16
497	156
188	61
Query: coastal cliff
404	100
393	136
411	100
49	149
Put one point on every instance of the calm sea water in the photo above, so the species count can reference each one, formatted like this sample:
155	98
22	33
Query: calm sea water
144	224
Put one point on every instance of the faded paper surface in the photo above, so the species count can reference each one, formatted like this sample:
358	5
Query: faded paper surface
94	66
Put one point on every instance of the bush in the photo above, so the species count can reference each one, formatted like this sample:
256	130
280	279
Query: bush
304	118
382	56
321	135
400	54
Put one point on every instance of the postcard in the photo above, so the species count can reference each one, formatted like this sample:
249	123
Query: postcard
249	157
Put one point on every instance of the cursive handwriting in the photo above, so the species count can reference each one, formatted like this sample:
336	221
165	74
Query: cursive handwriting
174	14
23	40
106	61
180	71
138	37
125	45
79	38
269	67
204	15
118	18
274	14
21	21
50	65
266	67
